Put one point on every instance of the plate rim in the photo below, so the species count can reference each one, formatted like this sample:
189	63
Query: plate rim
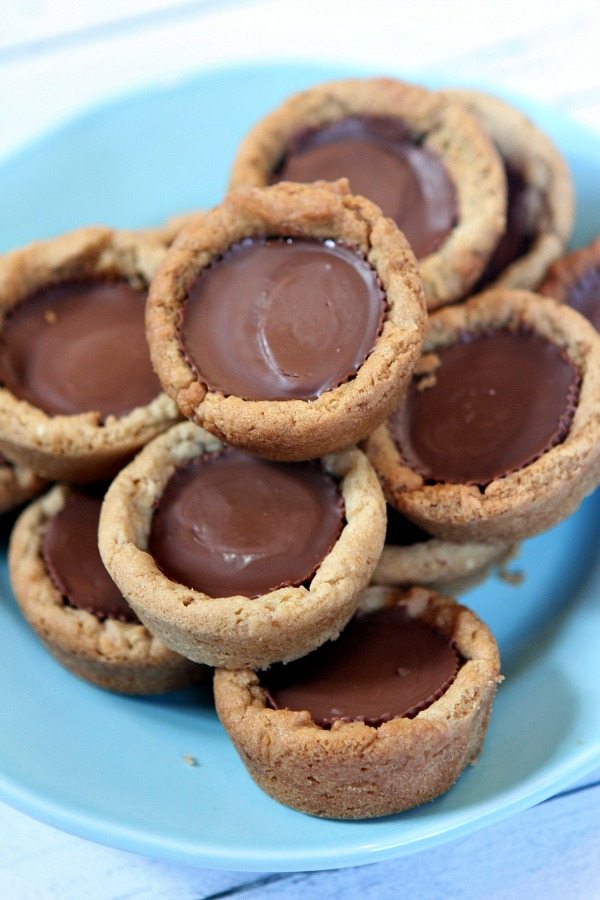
129	838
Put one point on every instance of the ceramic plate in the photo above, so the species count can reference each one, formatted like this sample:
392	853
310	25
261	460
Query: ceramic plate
114	768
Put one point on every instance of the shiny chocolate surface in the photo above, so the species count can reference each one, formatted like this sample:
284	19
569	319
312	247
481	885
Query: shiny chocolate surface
79	346
384	665
281	319
230	524
384	163
499	400
72	560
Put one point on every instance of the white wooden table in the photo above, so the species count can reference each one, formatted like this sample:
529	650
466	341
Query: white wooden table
57	58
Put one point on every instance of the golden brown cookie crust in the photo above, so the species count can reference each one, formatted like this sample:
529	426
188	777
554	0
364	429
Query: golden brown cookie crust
78	447
292	429
17	484
551	197
537	496
354	770
442	566
170	228
441	124
237	631
119	656
563	273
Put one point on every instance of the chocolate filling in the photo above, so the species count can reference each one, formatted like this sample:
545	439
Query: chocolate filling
384	665
401	532
280	319
70	554
79	347
386	163
497	401
230	524
584	295
517	238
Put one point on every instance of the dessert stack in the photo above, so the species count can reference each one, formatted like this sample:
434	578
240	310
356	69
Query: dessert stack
285	428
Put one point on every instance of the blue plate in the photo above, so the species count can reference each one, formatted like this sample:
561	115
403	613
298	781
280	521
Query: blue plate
113	768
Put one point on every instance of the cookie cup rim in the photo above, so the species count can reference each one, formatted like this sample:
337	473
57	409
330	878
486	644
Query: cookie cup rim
17	485
522	142
444	566
167	231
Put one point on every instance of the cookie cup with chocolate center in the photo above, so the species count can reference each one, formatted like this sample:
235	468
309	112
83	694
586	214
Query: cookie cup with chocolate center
292	429
435	123
87	445
354	770
540	190
170	228
237	631
533	495
117	655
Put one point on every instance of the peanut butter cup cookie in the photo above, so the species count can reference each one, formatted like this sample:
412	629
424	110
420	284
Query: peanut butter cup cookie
420	156
288	320
78	395
233	560
499	434
541	197
67	596
381	720
575	280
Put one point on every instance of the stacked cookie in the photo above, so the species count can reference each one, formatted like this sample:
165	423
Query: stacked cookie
289	327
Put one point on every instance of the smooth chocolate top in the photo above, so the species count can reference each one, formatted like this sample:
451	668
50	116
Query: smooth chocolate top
281	319
584	295
72	560
517	237
385	664
79	347
385	163
500	400
230	524
401	532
